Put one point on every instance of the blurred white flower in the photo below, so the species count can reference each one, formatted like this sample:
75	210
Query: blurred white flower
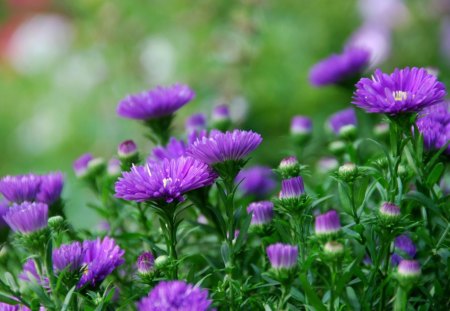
388	13
158	59
39	42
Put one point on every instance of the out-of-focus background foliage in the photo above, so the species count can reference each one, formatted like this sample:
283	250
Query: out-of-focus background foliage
65	65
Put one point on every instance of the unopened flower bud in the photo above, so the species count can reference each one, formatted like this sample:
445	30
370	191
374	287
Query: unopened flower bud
301	129
408	272
220	118
333	249
161	261
145	263
348	172
127	149
289	167
337	147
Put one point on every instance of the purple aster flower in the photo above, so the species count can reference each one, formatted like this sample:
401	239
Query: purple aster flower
434	124
127	149
341	120
339	67
282	256
175	295
408	268
68	256
220	147
145	262
327	223
404	249
292	188
155	103
20	188
100	259
50	188
258	181
80	165
27	217
29	274
220	113
301	125
168	180
4	208
173	150
404	91
262	212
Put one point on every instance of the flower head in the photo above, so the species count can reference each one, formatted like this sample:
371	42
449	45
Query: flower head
404	249
301	125
389	210
145	262
100	259
196	122
327	223
127	149
27	217
282	256
434	124
292	188
20	188
80	165
50	188
258	181
408	268
262	212
220	113
114	167
220	147
155	103
175	295
68	256
166	181
339	67
342	120
29	273
404	91
174	149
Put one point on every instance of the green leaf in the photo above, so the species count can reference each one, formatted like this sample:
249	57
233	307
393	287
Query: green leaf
312	297
225	252
7	299
435	174
68	298
352	298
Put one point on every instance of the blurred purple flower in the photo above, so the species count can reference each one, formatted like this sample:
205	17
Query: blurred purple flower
4	208
80	165
342	118
50	188
20	188
145	262
434	124
327	223
155	103
27	217
301	125
127	149
404	249
258	181
174	149
404	91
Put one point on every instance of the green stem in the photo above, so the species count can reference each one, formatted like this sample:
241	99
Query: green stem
332	286
229	208
401	299
385	273
285	289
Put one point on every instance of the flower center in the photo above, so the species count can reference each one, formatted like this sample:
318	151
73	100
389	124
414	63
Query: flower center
399	95
166	181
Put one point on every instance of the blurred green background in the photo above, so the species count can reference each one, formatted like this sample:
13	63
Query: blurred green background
65	65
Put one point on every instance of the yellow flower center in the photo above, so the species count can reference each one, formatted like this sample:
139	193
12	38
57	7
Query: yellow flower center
399	95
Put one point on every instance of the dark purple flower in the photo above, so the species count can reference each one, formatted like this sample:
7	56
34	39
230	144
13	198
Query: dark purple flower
434	124
174	149
292	188
50	188
127	149
80	165
342	119
155	103
282	256
220	147
4	208
404	249
175	295
327	223
258	181
68	256
301	125
408	268
404	91
20	188
262	212
27	217
145	262
339	67
100	259
168	180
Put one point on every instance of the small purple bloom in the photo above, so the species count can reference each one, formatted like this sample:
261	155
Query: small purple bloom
174	149
339	67
175	295
220	147
389	209
404	249
220	113
29	274
301	125
145	262
100	259
166	181
292	188
288	162
434	124
404	91
80	165
196	122
68	256
408	268
20	188
155	103
50	188
341	119
27	217
327	223
127	149
282	256
262	212
258	181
